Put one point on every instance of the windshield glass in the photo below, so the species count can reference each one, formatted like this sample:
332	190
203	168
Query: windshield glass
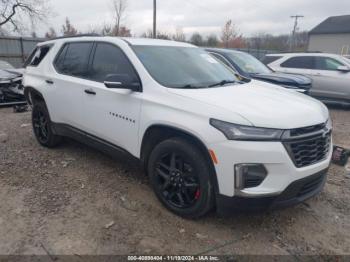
249	63
183	67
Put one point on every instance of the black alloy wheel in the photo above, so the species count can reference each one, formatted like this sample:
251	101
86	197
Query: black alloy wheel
177	180
180	176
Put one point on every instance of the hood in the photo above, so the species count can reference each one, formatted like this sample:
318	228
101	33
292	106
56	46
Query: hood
262	104
18	71
6	75
292	80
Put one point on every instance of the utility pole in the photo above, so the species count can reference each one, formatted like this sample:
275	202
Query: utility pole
154	18
292	42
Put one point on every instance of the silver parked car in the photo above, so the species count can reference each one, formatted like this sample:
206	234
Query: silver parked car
330	73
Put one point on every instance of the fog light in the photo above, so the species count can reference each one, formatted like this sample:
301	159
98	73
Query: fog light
249	175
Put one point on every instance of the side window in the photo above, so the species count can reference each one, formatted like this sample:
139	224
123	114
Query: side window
73	59
269	59
109	59
37	56
327	63
60	59
302	62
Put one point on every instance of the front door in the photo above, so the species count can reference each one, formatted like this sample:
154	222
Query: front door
328	82
111	114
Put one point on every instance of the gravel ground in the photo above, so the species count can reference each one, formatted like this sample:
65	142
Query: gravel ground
75	200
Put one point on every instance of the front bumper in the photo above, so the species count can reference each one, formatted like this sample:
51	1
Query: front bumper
273	155
297	192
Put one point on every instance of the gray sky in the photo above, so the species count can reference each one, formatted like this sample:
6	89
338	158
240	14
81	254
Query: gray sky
204	16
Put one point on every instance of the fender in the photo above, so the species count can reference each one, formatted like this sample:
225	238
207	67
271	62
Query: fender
31	94
173	131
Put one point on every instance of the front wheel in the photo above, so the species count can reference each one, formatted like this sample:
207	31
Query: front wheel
179	175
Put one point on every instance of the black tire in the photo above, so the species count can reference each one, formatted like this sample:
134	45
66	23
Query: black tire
189	194
42	126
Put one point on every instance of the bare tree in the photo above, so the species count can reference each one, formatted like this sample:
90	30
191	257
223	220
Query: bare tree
147	34
197	39
230	34
51	33
15	14
124	31
119	8
68	29
160	35
179	35
212	40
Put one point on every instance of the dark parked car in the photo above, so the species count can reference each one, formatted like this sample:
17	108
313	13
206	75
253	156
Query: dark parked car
247	66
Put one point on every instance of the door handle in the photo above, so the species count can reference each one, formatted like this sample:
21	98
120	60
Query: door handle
90	91
49	81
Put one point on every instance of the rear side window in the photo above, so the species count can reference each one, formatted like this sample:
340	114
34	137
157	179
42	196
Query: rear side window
269	59
302	62
109	59
37	55
73	59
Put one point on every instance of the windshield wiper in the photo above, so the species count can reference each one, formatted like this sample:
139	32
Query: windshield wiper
223	82
189	86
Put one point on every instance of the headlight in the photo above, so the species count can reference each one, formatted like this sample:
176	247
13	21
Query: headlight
250	133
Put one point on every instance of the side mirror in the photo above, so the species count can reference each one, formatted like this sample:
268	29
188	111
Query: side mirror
122	81
344	69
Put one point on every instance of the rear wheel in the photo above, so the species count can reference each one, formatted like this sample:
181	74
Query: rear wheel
42	126
179	176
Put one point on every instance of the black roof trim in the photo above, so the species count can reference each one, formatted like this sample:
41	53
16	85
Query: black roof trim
75	36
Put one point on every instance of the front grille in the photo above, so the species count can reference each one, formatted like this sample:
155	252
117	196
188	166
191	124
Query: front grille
308	149
306	130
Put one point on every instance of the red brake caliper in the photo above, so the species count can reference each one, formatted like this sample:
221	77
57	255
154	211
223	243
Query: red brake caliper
197	194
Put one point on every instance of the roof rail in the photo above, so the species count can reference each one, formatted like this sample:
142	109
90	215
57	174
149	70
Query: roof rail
292	52
74	36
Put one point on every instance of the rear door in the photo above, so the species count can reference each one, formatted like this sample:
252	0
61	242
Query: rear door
67	85
112	114
328	82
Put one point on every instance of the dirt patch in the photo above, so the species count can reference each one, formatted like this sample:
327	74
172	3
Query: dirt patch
75	200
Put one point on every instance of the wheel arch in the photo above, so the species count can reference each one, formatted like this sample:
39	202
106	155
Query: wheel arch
32	95
157	133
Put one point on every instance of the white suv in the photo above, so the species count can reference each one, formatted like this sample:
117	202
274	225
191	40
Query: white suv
206	139
330	73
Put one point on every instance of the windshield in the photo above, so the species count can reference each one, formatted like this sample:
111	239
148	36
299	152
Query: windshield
183	67
249	63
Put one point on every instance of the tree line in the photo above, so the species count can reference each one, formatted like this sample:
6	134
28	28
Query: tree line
17	14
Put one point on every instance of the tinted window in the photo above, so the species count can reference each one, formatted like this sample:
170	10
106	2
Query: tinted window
37	56
73	59
269	59
109	59
304	62
183	67
248	63
60	58
327	63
